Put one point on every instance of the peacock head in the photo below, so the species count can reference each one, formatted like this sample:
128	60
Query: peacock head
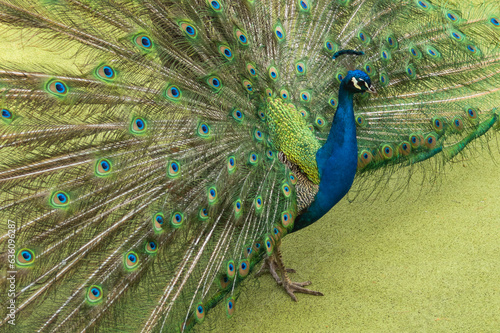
358	81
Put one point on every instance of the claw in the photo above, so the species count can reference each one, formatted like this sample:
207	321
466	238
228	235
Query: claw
297	287
274	263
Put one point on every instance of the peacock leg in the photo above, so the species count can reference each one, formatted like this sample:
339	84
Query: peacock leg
269	266
290	287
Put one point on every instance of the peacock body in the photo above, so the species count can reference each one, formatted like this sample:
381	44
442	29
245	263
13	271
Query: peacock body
142	184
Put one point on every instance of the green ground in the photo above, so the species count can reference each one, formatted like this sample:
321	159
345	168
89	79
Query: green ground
425	262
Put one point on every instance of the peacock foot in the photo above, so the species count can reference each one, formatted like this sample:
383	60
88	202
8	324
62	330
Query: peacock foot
274	264
298	287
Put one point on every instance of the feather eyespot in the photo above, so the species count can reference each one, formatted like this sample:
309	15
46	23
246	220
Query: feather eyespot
415	52
269	245
286	219
438	124
423	4
452	16
231	164
200	312
237	115
241	37
131	260
278	231
257	134
433	52
230	307
143	42
340	76
174	169
320	122
151	247
387	151
364	37
7	116
226	52
57	88
258	203
430	141
224	281
176	219
248	252
392	41
458	124
212	195
384	79
304	5
457	35
364	158
270	154
472	113
472	49
243	268
305	96
495	21
248	86
369	69
253	158
189	29
330	46
257	246
332	101
304	113
103	167
262	115
385	55
251	70
360	121
203	214
273	73
238	207
173	93
279	33
300	68
230	269
411	72
59	199
138	126
286	190
292	178
404	148
416	140
215	83
215	5
94	294
105	72
25	257
203	130
284	93
158	222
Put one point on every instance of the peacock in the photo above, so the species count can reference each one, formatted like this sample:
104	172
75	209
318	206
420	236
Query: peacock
159	150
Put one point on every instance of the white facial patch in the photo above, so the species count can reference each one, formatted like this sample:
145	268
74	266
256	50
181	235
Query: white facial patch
355	83
366	84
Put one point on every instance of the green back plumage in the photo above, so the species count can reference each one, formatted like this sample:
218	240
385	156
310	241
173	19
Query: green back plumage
144	182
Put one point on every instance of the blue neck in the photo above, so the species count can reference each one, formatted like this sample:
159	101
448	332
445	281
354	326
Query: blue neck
337	162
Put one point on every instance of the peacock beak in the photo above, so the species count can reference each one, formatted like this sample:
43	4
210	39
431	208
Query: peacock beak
372	90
